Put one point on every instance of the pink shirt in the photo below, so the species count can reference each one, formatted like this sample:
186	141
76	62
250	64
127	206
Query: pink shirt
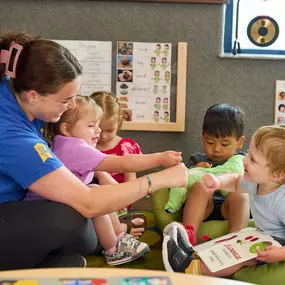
78	156
125	146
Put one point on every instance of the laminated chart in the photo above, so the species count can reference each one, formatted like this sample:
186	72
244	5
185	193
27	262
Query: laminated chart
95	58
143	81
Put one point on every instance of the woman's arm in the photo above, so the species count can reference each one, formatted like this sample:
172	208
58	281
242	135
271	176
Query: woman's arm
62	186
139	162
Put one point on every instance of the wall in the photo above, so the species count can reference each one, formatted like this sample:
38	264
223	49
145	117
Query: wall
210	80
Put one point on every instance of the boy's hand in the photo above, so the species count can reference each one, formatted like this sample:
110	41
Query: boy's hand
203	165
170	158
211	182
271	254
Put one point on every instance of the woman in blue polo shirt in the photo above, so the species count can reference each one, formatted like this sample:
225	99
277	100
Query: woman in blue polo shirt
38	79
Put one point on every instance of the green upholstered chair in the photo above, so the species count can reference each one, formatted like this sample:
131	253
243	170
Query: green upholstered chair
268	274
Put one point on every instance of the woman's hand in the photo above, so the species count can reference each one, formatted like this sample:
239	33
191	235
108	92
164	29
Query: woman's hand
175	176
170	158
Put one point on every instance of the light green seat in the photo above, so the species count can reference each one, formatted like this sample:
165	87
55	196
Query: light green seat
268	274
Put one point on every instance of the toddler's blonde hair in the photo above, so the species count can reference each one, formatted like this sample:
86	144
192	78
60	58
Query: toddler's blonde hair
270	141
109	104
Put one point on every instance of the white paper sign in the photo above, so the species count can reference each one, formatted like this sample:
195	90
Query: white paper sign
95	58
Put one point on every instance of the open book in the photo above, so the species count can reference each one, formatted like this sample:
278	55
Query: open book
233	248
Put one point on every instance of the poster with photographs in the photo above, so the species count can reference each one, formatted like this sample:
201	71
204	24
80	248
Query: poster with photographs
95	58
143	81
279	112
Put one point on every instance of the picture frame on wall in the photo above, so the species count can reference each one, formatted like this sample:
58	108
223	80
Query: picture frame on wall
180	97
279	109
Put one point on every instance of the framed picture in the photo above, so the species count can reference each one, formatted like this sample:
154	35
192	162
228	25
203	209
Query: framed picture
279	109
180	97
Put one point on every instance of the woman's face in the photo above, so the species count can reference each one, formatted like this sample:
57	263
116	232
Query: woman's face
50	108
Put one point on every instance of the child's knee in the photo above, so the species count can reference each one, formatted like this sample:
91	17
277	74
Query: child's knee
199	189
237	199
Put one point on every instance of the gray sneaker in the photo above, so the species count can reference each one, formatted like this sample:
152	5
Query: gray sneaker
128	249
55	261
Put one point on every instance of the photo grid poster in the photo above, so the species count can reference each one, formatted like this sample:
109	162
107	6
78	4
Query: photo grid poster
279	112
143	81
95	58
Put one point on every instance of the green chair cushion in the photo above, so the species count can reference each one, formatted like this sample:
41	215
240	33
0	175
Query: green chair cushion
268	274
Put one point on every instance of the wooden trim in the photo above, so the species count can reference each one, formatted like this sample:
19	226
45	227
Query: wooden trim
179	124
183	1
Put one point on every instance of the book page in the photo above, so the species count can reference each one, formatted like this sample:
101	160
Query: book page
233	249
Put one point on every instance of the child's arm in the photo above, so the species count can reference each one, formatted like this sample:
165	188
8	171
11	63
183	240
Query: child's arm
130	176
227	182
104	178
271	254
139	162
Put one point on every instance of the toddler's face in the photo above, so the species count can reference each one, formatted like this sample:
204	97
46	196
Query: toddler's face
109	128
87	128
221	149
255	166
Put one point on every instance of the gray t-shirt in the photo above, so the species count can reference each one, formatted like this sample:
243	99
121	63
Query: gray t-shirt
268	211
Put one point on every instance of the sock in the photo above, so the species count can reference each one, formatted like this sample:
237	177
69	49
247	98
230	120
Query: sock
205	237
191	234
112	249
194	267
121	234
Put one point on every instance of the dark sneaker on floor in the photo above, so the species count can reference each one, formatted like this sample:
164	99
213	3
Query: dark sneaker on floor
176	230
176	249
128	249
174	258
55	261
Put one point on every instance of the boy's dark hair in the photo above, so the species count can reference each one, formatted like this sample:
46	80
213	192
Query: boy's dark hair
223	120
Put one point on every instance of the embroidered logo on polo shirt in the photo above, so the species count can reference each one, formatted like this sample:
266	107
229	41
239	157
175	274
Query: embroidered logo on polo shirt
43	151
